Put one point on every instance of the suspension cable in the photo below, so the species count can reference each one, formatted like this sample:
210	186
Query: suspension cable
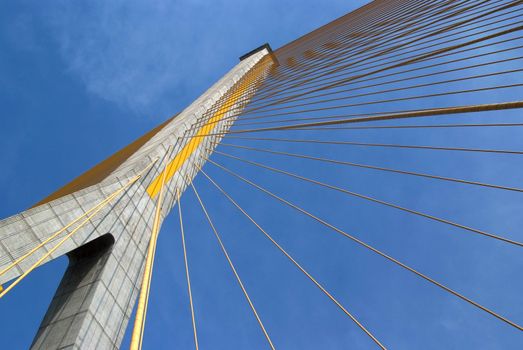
386	145
360	242
422	126
329	295
224	250
374	200
102	205
141	309
413	114
366	166
57	233
187	271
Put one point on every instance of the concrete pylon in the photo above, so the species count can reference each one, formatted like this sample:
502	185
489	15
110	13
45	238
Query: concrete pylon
93	303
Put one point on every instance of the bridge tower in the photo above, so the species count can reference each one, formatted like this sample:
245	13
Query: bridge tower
110	211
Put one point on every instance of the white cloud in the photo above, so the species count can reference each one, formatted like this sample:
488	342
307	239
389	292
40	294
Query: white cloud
150	56
132	53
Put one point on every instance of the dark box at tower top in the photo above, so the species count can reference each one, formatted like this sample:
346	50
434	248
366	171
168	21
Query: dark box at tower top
258	49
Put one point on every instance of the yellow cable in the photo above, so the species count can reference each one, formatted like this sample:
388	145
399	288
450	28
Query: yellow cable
65	238
233	269
305	272
169	151
57	233
141	310
187	273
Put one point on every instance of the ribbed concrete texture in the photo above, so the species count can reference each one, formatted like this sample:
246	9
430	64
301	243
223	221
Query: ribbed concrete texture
94	301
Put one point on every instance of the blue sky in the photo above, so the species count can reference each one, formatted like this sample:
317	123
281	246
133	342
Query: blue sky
79	81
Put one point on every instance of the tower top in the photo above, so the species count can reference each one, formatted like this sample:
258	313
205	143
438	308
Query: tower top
258	49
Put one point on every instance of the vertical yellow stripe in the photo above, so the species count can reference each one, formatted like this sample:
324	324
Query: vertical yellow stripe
206	129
